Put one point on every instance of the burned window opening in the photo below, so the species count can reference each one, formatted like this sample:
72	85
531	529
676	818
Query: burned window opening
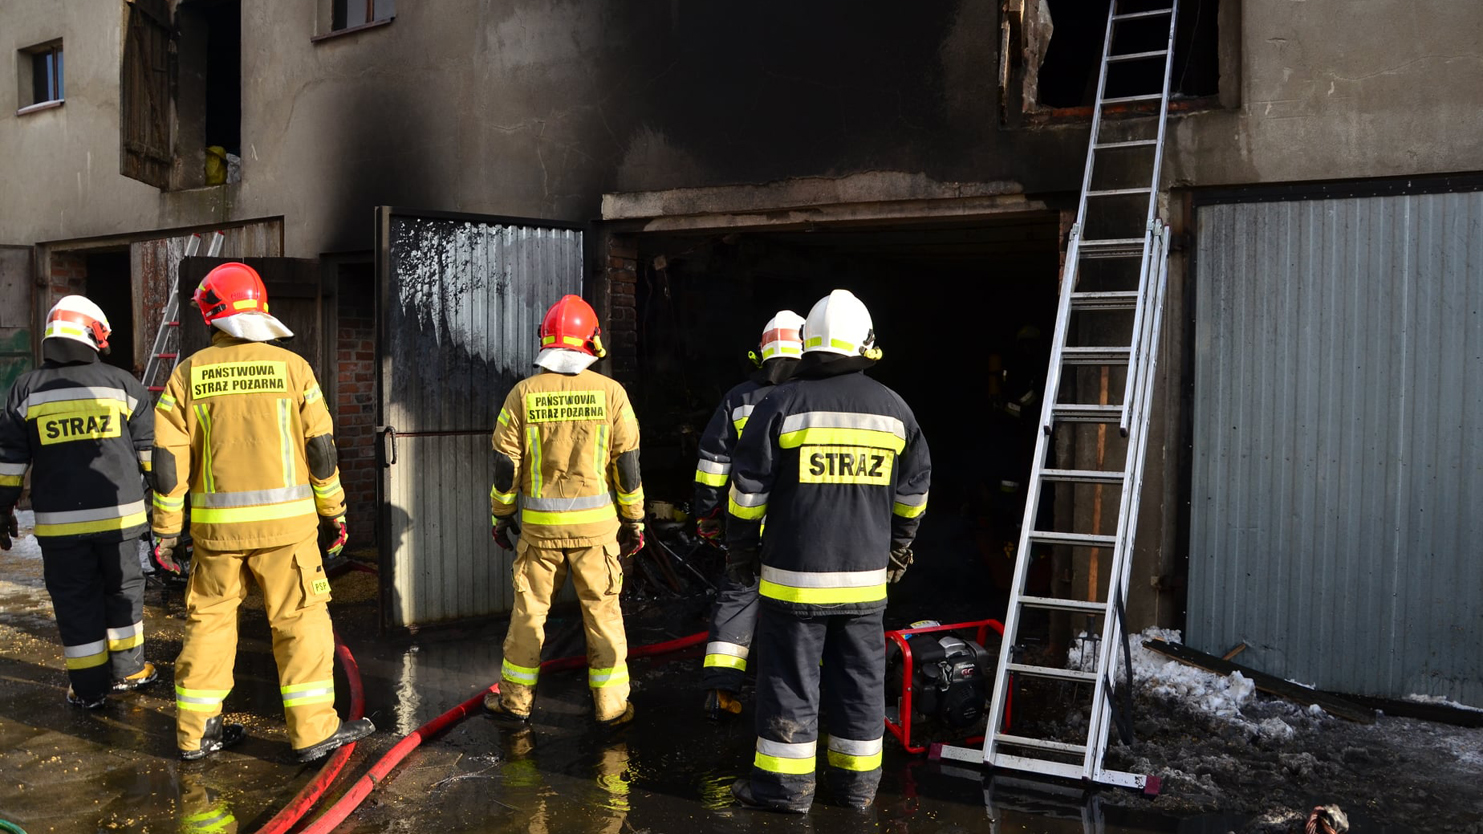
1067	77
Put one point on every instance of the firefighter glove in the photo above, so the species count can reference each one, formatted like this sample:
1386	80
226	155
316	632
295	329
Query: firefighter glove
8	527
900	561
630	538
708	527
164	554
502	533
332	534
743	565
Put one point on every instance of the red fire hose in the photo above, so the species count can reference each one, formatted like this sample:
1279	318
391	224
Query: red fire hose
310	794
367	783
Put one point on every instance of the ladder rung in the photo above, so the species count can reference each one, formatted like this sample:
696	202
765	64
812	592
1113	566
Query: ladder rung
1136	15
1130	143
1074	675
1137	56
1088	413
1064	604
1118	192
1041	744
1099	355
1111	242
1072	539
1115	300
167	356
1131	99
156	388
1082	476
172	324
1029	765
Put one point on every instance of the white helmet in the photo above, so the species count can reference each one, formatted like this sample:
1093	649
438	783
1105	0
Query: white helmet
839	323
782	336
76	318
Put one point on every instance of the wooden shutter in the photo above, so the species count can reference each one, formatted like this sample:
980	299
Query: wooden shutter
144	94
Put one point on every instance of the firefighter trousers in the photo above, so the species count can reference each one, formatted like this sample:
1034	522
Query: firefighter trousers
296	594
732	623
97	592
789	650
540	573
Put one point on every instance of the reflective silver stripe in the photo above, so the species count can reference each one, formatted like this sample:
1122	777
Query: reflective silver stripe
714	467
912	500
801	750
86	650
823	579
731	649
559	505
741	412
744	499
99	514
84	393
285	441
13	468
843	420
251	497
126	632
850	747
146	455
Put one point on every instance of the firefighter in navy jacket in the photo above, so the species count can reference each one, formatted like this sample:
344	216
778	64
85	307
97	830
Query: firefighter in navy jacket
839	467
86	430
735	615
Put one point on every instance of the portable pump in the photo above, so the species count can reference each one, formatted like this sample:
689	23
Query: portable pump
943	676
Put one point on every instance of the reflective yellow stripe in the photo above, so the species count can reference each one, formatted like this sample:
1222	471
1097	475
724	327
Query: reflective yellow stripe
166	403
313	692
739	425
515	673
908	511
266	512
285	441
609	676
533	441
635	497
783	765
726	661
200	700
846	761
214	820
329	489
502	497
77	528
822	596
504	416
600	459
750	513
168	504
126	643
818	341
313	393
204	417
568	517
88	661
710	479
825	435
12	480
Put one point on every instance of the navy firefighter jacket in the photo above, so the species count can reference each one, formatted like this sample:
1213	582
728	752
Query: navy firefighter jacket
838	465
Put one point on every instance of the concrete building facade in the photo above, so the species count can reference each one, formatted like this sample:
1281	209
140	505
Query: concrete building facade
731	159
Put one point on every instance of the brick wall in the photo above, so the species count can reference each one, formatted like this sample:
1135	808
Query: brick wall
355	409
622	326
69	276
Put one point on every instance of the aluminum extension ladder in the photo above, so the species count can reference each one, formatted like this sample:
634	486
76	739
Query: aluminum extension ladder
1097	279
165	354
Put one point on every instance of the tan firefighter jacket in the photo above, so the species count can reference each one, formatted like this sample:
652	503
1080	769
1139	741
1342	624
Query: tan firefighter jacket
242	426
565	446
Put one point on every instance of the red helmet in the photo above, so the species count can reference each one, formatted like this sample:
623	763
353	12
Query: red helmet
571	323
230	289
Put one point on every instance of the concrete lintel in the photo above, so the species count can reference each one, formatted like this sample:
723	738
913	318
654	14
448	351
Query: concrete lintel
814	200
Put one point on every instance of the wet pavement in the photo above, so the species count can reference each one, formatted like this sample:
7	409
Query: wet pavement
64	770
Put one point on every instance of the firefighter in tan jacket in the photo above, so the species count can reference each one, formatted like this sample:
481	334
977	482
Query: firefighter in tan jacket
242	427
567	444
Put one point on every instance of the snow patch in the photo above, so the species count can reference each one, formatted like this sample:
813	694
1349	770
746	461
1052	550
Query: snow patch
1157	675
1441	700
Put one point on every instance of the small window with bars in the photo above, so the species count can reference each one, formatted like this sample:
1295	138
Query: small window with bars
41	76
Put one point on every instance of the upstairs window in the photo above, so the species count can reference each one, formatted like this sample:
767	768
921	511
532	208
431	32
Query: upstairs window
41	76
348	14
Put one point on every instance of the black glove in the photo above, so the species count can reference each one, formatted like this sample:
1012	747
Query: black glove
164	554
743	565
502	533
8	527
630	538
900	561
332	534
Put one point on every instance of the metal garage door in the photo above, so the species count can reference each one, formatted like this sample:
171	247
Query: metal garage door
461	306
1338	441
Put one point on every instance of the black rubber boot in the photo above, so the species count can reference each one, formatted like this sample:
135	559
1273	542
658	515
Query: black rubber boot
494	710
741	789
721	703
349	732
143	677
85	703
613	726
218	737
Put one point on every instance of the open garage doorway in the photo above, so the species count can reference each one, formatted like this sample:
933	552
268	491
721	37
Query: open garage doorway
964	311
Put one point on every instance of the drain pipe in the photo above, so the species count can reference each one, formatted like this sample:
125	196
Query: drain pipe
367	783
310	794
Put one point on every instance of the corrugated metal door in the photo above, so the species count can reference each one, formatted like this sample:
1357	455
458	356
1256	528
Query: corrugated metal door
1338	433
461	307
